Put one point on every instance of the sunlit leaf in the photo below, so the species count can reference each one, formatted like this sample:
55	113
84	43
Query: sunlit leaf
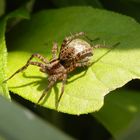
84	92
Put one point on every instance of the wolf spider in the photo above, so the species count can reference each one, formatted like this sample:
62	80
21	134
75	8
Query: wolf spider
74	52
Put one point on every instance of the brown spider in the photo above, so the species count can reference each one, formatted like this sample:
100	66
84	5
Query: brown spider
74	53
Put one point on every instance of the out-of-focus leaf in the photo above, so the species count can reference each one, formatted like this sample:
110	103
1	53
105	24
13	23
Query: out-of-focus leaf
119	111
132	132
126	7
2	7
18	123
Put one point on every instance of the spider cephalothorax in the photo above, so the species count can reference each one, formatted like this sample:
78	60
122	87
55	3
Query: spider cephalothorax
74	52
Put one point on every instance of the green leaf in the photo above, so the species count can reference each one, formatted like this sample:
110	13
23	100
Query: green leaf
84	92
2	7
19	123
3	60
120	109
20	13
133	131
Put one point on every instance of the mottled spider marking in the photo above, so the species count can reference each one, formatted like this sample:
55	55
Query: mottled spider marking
84	55
68	39
66	53
54	50
77	51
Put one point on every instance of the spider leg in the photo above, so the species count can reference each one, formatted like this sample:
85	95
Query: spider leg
105	46
25	67
99	46
40	57
31	63
54	50
68	39
63	84
51	83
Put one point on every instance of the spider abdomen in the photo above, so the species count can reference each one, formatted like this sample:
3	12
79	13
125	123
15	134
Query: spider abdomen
76	51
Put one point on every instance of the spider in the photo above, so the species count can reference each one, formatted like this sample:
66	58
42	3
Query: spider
74	52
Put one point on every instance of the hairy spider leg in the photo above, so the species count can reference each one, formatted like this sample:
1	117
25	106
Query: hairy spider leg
31	63
39	56
78	64
105	46
54	51
52	80
63	85
50	85
68	39
82	54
